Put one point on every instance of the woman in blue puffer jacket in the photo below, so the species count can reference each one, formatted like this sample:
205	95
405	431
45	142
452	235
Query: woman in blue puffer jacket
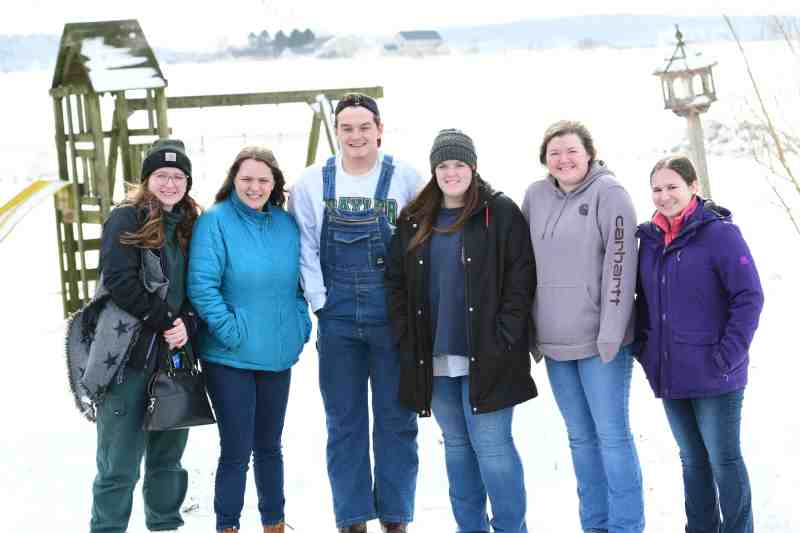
699	302
244	279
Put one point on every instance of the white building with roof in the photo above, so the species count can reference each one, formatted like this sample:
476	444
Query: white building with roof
417	43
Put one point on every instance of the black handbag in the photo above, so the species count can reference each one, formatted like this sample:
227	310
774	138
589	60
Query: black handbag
176	397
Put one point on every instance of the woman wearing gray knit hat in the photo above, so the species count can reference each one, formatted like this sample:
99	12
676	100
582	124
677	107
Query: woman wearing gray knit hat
582	225
460	282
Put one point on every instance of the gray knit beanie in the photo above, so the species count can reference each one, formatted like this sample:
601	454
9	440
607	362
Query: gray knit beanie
453	144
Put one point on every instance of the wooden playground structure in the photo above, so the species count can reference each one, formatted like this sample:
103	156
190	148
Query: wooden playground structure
113	58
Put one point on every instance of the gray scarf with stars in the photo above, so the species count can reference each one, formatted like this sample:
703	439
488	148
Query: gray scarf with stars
100	337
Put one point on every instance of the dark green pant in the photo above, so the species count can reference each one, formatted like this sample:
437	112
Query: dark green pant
121	444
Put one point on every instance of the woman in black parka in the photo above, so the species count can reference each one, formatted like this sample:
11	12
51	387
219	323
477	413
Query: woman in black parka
155	321
460	283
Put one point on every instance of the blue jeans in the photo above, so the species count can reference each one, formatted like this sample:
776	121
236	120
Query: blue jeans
707	432
481	460
250	406
351	355
593	399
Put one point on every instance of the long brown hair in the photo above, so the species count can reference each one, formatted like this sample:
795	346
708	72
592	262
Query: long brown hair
151	234
425	208
258	153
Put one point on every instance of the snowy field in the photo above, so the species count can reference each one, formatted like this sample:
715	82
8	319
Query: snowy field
505	101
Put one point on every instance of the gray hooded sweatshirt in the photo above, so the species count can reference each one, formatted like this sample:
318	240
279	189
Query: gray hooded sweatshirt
585	248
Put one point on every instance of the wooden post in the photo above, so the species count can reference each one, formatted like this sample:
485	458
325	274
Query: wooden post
61	139
63	174
695	129
328	133
99	163
161	114
121	130
313	139
151	121
111	167
75	293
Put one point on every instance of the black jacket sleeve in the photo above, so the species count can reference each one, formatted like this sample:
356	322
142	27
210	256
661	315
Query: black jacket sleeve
121	270
189	317
519	277
397	287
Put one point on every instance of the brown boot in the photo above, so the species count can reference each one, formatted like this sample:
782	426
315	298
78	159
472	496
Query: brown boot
387	527
355	528
277	528
229	530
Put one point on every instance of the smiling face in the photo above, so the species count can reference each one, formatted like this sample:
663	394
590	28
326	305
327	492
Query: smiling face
168	185
567	161
358	134
254	183
453	177
670	192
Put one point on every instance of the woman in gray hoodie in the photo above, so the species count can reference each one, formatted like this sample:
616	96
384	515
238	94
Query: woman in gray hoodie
582	225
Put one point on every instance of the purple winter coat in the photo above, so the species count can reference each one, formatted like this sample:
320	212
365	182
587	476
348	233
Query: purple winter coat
698	304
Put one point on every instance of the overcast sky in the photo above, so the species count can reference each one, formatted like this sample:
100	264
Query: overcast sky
198	22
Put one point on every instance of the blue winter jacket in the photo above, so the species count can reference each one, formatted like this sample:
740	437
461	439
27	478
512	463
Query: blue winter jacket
244	275
698	305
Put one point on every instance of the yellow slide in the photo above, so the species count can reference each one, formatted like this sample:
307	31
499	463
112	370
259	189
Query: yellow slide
20	205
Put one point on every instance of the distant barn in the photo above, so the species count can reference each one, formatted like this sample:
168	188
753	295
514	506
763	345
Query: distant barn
417	43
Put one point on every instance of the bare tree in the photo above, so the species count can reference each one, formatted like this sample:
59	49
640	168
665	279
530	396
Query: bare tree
771	147
786	28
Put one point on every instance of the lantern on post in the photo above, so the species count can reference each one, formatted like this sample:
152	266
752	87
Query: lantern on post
687	85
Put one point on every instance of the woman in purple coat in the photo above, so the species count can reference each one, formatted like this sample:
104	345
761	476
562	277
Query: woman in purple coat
699	301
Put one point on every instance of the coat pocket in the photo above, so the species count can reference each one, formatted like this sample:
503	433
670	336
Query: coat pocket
293	332
115	405
565	314
692	359
242	327
695	338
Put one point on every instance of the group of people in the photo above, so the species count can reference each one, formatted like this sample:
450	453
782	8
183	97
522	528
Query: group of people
432	296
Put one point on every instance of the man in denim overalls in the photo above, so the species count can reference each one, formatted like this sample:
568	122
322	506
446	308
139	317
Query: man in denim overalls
346	210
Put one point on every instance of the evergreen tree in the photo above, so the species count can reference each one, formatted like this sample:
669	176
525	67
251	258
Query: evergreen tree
295	39
280	42
263	41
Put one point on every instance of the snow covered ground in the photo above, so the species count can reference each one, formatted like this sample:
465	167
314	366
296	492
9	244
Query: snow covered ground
504	100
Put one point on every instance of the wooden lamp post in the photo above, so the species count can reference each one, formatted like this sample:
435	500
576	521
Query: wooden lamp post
687	85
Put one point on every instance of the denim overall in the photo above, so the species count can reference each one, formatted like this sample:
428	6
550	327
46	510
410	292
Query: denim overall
355	346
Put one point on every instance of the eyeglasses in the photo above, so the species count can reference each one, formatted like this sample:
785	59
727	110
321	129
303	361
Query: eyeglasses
163	179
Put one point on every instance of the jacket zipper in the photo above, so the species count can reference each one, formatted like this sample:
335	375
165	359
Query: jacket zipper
663	362
150	350
469	324
470	350
163	262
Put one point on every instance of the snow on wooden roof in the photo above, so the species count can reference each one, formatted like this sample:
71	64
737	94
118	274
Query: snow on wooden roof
105	57
683	61
422	35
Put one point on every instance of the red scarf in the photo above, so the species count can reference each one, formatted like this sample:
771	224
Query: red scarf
672	226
